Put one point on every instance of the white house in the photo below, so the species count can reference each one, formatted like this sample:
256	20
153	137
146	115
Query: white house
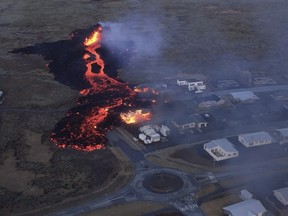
182	82
198	86
255	139
244	97
284	135
193	85
249	207
221	149
282	195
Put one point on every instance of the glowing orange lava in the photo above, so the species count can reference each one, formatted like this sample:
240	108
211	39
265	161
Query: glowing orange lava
95	37
92	43
136	116
99	81
141	90
98	116
83	64
146	90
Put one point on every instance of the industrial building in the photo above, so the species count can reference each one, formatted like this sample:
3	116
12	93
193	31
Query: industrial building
221	149
255	139
192	121
282	195
249	207
244	97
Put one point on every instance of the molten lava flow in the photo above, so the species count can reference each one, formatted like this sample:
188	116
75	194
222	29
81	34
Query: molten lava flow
103	95
92	43
85	127
146	90
135	117
141	90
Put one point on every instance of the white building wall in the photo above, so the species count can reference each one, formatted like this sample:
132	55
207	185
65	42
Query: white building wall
225	155
182	82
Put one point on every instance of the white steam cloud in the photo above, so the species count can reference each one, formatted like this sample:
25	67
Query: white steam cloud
145	34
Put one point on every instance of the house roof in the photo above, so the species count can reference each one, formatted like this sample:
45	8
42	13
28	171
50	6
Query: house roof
283	192
222	143
253	137
283	131
246	208
243	96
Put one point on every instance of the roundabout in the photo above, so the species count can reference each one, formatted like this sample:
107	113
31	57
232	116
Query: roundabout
163	183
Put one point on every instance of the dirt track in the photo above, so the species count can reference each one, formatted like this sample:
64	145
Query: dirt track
212	37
